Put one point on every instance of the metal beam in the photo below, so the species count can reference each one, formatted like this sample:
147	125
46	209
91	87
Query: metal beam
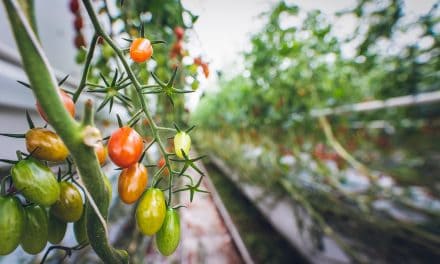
408	100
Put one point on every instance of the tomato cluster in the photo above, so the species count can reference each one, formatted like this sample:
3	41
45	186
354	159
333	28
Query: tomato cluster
320	152
78	24
125	147
37	207
52	205
177	47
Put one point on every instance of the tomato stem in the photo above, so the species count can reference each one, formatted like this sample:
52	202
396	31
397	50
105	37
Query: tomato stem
3	185
86	70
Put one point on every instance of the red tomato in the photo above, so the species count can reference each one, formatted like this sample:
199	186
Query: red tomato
78	22
177	48
179	32
160	164
141	50
125	147
319	151
68	104
79	41
132	182
198	61
74	6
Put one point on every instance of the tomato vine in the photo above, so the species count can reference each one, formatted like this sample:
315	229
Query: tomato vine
83	152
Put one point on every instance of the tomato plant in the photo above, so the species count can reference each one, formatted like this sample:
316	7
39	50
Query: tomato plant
77	146
141	50
132	182
125	147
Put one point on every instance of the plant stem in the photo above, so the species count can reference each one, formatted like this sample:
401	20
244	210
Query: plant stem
83	81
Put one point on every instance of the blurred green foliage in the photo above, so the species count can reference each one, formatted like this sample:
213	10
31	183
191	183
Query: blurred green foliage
293	68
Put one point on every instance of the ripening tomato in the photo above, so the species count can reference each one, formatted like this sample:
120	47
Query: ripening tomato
101	153
69	206
68	104
141	50
78	22
177	48
125	147
205	69
12	224
35	235
79	40
46	145
132	182
35	181
74	6
198	61
162	163
150	212
182	142
168	237
57	229
179	32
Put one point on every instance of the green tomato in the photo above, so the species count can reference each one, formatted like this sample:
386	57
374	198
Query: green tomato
81	56
182	142
36	182
168	237
57	229
35	235
79	229
69	207
150	212
11	224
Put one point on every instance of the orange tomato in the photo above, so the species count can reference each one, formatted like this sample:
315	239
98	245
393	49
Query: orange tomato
132	182
160	164
141	50
101	153
205	69
179	32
